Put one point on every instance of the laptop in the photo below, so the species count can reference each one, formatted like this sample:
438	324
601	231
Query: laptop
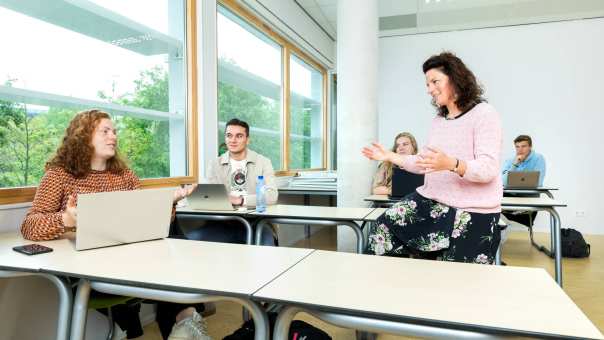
404	183
120	217
522	179
210	197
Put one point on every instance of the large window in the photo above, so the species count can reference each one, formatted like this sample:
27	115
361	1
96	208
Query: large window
266	81
249	83
306	115
66	56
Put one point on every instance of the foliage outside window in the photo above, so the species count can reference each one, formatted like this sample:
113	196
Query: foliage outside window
248	89
262	79
132	66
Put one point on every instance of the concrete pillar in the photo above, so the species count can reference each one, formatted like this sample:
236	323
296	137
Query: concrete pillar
357	58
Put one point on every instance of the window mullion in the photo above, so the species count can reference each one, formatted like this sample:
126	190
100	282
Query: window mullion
286	107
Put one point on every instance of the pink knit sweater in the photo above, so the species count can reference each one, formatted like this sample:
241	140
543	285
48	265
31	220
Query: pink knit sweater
475	138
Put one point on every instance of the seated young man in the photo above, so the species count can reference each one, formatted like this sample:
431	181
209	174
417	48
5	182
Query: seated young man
238	169
525	159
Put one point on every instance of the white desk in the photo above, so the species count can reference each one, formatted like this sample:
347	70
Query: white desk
13	264
307	191
518	204
303	215
168	270
176	271
426	298
539	190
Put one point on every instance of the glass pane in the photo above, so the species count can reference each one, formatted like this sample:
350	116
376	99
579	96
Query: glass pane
105	54
249	84
306	115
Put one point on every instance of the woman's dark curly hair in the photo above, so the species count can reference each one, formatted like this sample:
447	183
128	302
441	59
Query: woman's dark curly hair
75	153
468	91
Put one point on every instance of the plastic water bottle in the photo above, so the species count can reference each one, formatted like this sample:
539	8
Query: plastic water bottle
260	195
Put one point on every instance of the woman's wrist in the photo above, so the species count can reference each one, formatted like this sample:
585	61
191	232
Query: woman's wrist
453	164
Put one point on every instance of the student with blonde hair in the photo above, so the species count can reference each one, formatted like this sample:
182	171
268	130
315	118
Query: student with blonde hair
404	144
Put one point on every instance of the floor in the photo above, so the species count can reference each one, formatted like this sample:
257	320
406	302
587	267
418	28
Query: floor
583	278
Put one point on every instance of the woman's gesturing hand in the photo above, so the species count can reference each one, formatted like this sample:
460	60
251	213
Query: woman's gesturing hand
376	152
433	159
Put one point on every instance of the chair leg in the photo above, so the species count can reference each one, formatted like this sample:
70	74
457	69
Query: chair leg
111	324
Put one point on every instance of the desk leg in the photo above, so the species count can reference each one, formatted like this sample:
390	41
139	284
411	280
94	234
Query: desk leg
65	299
287	314
557	246
248	227
80	310
552	227
307	226
552	230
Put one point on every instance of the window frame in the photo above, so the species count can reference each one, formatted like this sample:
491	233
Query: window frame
26	194
287	50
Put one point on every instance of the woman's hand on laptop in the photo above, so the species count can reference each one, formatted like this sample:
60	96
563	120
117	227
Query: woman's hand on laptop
183	192
70	215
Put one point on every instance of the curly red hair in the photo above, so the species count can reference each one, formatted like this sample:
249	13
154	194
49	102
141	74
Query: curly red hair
76	151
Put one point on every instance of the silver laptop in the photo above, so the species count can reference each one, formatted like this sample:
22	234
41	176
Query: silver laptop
119	217
210	197
523	179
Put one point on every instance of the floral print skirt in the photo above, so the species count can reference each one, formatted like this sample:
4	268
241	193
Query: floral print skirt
421	226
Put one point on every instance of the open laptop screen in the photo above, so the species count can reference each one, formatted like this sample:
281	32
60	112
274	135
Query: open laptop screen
119	217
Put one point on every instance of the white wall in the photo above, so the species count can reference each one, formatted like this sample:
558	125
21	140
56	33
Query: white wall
544	79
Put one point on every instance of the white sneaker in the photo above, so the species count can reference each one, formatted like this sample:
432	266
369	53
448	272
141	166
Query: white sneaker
190	328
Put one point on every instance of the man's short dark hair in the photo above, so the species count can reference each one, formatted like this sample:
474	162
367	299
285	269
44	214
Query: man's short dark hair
524	138
238	122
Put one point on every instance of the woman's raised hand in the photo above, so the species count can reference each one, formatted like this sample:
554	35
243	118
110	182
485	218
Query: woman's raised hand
376	152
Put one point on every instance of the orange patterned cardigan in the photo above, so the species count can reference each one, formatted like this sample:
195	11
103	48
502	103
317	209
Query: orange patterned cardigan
44	221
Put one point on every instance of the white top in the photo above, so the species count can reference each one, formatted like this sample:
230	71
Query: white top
531	202
505	201
489	297
238	212
375	214
204	267
237	177
378	198
11	260
315	212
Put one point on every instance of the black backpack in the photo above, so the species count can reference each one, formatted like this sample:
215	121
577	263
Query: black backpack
297	330
573	243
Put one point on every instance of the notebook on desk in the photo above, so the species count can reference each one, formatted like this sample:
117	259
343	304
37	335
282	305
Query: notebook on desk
120	217
404	183
523	179
212	197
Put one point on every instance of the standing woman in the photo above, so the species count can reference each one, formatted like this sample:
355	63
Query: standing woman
87	162
455	212
404	144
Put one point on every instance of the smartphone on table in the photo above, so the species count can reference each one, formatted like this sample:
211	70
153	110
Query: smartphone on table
32	249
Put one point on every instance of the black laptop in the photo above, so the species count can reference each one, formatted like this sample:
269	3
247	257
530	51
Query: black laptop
404	183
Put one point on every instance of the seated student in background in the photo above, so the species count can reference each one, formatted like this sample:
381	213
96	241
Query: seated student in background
404	144
525	159
454	215
238	169
87	161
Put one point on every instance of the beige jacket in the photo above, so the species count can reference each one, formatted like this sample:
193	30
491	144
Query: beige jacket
218	172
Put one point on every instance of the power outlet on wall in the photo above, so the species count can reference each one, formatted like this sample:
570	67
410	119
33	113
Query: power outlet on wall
580	213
